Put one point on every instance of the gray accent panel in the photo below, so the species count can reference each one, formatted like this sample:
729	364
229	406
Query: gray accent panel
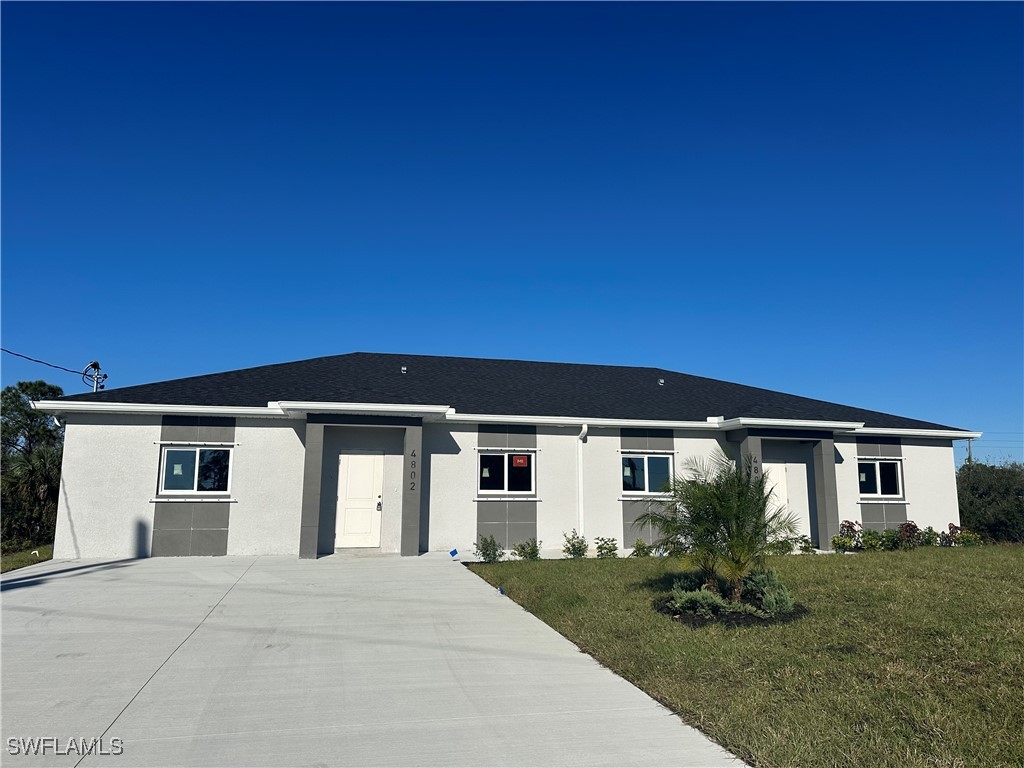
311	474
631	510
890	450
519	437
523	512
873	513
874	526
895	514
867	449
197	429
190	528
412	490
210	516
498	530
172	516
492	436
171	543
492	512
209	542
826	495
183	429
631	439
520	532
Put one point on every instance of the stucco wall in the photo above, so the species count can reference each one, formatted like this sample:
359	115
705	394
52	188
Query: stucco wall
266	480
451	486
109	475
556	484
930	479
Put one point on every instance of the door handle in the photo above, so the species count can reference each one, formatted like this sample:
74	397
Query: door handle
380	504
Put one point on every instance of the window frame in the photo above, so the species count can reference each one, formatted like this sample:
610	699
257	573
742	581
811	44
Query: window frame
877	460
645	455
165	448
507	452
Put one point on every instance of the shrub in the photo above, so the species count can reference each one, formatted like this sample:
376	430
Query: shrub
527	550
842	544
607	547
575	546
909	534
890	539
965	538
852	530
928	537
641	549
992	499
708	604
805	545
782	547
763	588
871	540
488	549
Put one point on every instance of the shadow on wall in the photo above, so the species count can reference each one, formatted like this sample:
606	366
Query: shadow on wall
71	523
434	442
142	538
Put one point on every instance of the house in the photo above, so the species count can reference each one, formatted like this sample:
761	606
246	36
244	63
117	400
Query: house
407	454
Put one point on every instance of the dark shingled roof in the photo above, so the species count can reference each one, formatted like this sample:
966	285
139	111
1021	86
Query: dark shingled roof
512	387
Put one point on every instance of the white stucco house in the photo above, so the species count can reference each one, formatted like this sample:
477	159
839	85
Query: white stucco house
407	454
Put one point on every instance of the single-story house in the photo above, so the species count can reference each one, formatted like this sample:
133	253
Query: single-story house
408	453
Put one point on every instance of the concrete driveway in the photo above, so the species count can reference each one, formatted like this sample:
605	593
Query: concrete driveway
346	660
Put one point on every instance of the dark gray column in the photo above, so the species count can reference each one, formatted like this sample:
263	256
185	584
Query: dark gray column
826	495
750	448
412	488
311	472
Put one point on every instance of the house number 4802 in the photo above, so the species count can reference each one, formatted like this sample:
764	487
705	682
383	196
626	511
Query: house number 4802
412	471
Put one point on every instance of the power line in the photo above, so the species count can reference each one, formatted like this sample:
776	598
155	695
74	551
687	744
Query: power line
41	362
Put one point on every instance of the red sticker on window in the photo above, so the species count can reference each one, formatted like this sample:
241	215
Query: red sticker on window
520	461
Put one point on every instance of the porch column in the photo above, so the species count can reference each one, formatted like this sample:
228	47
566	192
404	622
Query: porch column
412	488
826	495
750	448
311	471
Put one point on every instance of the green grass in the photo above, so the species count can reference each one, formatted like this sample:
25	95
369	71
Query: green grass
906	659
21	559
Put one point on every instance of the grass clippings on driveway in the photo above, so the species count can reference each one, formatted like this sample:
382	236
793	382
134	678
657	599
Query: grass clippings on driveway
905	659
17	560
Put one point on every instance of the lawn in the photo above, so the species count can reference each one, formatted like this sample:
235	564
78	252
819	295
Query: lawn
906	658
21	559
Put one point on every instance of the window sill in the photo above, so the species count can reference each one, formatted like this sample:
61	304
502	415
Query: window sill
193	499
642	497
892	500
506	498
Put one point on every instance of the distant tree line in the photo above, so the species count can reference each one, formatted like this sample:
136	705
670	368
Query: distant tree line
33	446
992	499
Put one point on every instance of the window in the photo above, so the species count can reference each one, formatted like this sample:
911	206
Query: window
195	470
645	474
880	478
506	473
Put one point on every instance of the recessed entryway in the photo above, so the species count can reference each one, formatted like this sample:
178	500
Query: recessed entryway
360	499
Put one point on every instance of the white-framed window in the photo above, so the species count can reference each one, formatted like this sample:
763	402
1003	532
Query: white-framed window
195	470
509	472
880	477
643	473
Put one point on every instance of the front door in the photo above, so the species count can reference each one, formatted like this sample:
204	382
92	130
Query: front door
792	492
360	499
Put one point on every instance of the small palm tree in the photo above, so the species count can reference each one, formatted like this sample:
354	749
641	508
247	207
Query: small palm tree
723	516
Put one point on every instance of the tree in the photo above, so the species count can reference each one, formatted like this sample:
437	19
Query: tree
992	499
31	461
721	514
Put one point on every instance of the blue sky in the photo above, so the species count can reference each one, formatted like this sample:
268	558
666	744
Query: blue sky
821	199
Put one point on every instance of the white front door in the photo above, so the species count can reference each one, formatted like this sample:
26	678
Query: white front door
791	491
360	499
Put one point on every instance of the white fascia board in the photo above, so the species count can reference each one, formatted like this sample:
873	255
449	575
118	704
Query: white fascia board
576	421
938	434
312	406
743	421
72	406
